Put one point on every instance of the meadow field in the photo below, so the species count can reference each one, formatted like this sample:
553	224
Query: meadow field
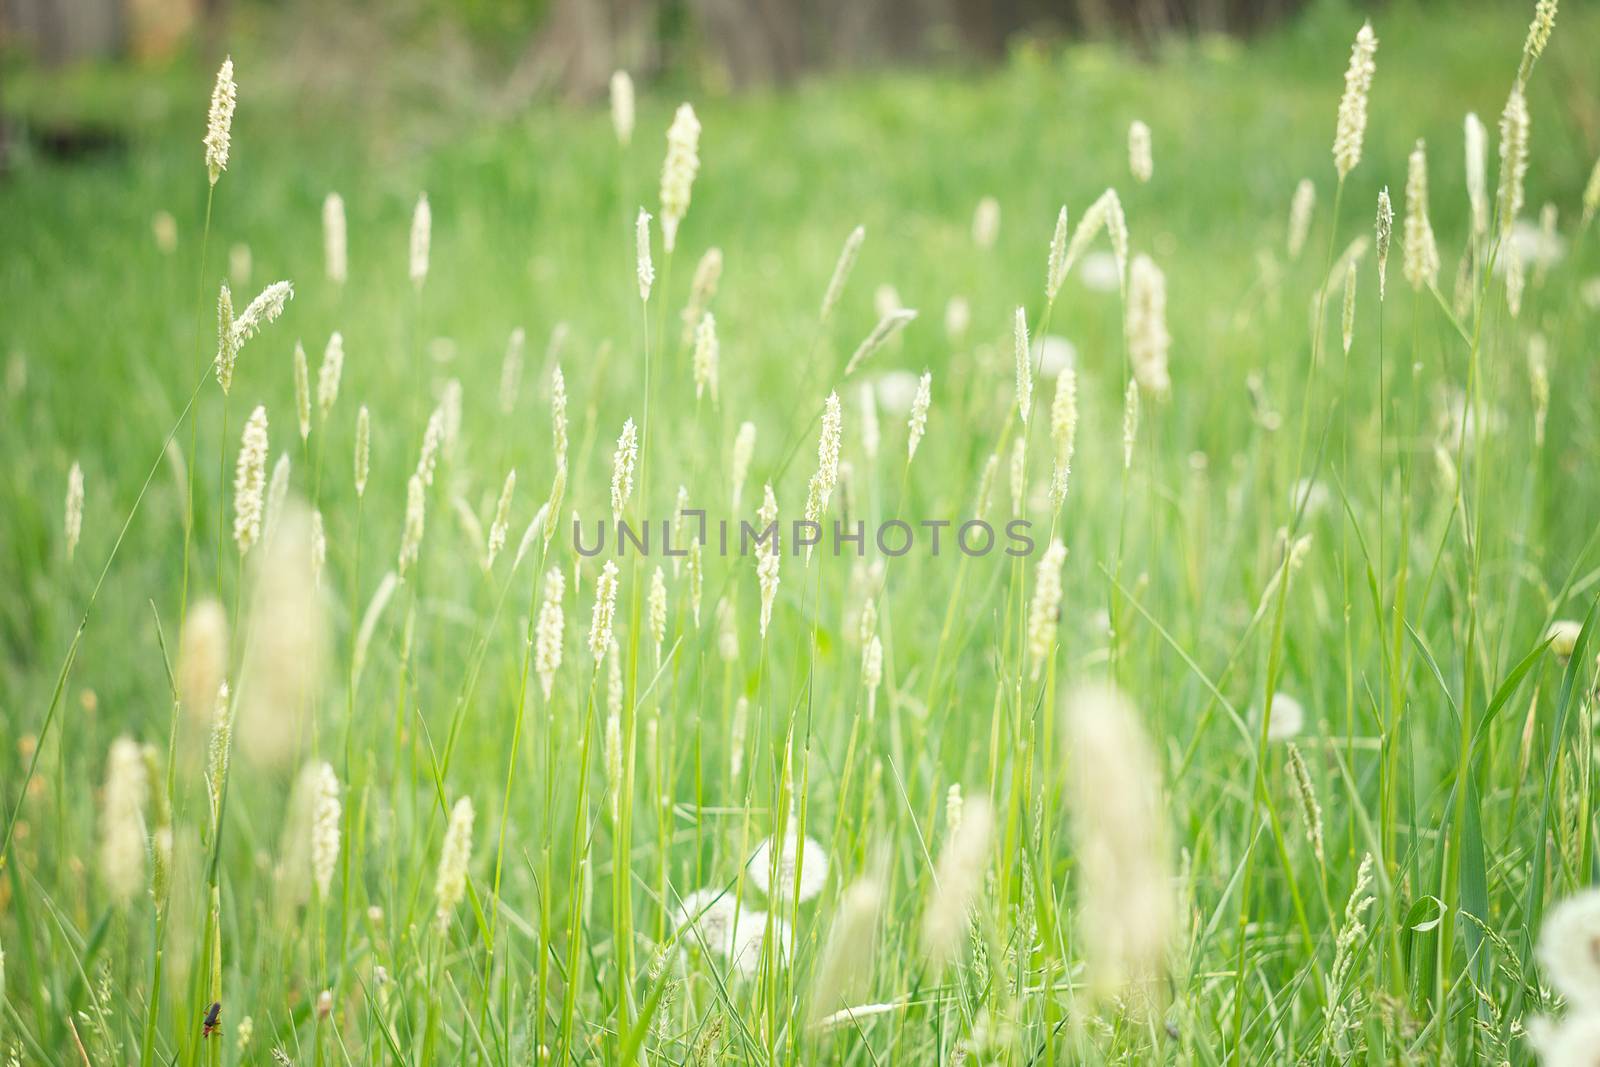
1260	730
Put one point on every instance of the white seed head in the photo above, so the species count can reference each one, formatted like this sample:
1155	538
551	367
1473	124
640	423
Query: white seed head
702	289
1018	474
1301	207
1045	608
1384	229
744	447
622	106
1569	951
432	441
1148	339
1024	360
986	222
678	171
1140	161
841	271
1421	254
657	609
1352	124
456	853
605	611
335	250
958	880
828	447
219	748
319	548
249	481
549	638
74	511
302	390
421	239
323	793
122	824
773	871
623	461
646	270
558	415
889	326
727	631
843	969
705	358
287	650
767	563
1513	157
1347	320
1306	801
416	522
954	807
202	658
613	758
1125	913
329	374
1063	432
1476	141
502	518
511	370
219	120
1130	422
363	453
1544	21
917	425
1056	265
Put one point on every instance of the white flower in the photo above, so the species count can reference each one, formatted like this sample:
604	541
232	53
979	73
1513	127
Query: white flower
1563	636
1569	1043
1569	952
813	861
749	938
1288	718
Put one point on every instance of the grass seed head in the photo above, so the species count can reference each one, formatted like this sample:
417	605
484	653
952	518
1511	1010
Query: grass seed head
623	461
550	631
1140	162
958	880
622	106
73	522
451	884
421	240
122	824
917	425
1023	352
249	481
1148	339
605	611
329	375
1301	206
705	358
1513	157
219	120
642	264
678	171
1421	253
335	250
1352	123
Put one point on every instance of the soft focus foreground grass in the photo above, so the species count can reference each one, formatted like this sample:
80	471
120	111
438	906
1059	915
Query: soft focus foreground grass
532	226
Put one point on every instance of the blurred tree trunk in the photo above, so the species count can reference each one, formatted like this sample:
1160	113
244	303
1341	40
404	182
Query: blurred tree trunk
65	31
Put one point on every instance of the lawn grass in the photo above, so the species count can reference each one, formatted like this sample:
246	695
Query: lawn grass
1440	736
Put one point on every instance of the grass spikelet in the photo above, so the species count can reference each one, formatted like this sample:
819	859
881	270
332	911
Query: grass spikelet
1383	229
1301	206
549	636
1056	264
511	370
451	884
558	415
767	563
727	631
73	520
415	524
1513	158
281	675
1063	432
325	822
421	240
841	271
702	290
302	390
622	106
1306	800
1421	254
917	425
1022	352
1352	124
1476	140
958	880
605	611
335	249
202	657
678	172
642	264
986	222
1045	607
623	461
1104	214
363	451
657	610
1148	339
846	961
227	341
122	826
1141	164
249	481
1125	914
1539	385
219	120
889	326
502	519
1347	318
1130	422
219	748
329	375
705	358
744	447
1539	30
1018	474
826	479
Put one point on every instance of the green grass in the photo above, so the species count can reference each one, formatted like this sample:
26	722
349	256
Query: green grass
1440	735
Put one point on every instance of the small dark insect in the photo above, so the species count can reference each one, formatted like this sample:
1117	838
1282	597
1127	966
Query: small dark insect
212	1015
